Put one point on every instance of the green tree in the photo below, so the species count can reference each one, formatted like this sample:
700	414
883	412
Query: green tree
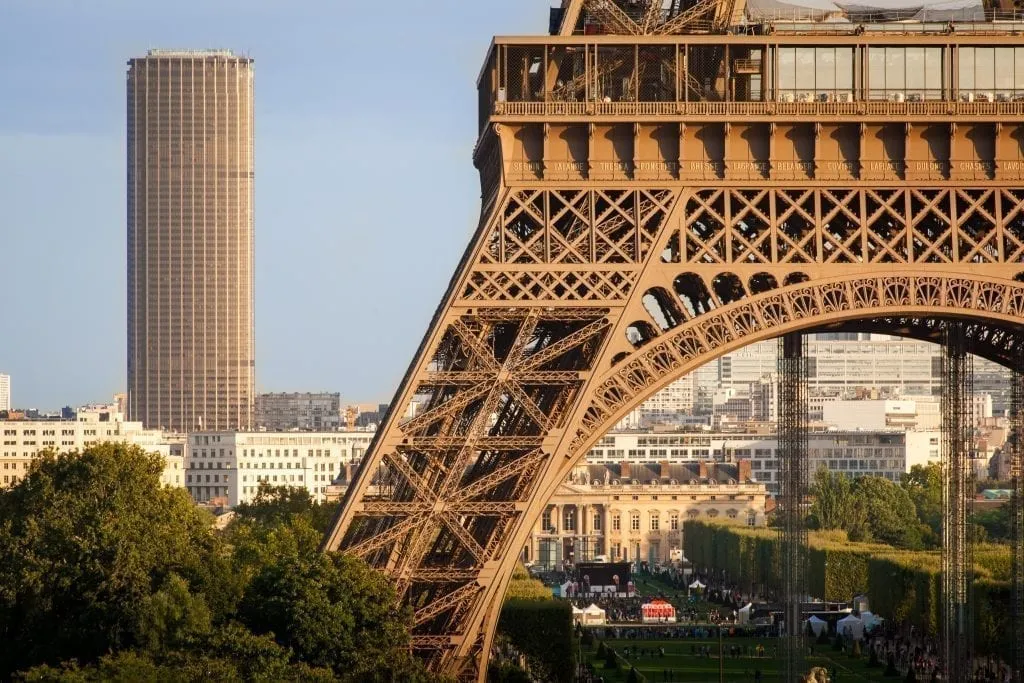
232	655
276	505
996	523
924	486
106	575
891	514
243	656
838	506
86	540
334	612
169	617
833	499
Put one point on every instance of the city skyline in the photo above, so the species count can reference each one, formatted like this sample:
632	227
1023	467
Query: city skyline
329	137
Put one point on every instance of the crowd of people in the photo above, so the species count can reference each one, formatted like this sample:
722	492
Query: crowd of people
907	648
899	649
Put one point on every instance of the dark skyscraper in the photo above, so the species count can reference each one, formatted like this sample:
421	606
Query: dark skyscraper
190	240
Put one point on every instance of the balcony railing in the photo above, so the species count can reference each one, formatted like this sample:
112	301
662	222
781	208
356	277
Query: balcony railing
936	108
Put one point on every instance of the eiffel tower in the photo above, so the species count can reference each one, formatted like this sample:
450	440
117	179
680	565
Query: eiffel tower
663	183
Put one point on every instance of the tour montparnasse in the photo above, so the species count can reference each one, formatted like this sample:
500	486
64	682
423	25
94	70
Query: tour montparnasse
666	182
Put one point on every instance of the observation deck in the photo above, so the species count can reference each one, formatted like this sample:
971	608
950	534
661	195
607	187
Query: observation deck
781	96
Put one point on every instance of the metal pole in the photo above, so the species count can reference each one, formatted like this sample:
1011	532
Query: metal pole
1015	451
958	494
792	451
721	658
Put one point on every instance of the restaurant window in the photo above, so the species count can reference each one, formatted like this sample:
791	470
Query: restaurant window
815	74
991	74
911	74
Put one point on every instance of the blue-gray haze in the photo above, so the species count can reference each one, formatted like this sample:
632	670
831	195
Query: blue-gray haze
365	189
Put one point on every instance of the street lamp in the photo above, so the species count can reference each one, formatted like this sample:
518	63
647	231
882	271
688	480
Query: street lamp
721	658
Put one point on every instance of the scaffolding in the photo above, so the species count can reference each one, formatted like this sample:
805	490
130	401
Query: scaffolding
1015	451
792	433
957	497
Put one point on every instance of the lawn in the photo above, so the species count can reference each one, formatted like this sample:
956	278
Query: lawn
683	665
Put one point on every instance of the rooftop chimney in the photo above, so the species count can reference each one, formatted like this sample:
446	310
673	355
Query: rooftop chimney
743	473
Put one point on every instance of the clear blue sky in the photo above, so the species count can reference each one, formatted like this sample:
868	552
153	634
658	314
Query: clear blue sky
365	190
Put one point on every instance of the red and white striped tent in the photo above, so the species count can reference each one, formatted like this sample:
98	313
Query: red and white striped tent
658	611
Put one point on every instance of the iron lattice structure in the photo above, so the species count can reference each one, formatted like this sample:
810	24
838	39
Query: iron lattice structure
1015	448
957	497
792	453
651	200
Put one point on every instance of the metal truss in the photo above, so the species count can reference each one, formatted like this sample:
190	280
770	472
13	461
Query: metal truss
958	494
1015	448
624	243
653	17
792	435
512	393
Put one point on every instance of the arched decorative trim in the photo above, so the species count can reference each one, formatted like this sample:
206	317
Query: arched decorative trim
798	307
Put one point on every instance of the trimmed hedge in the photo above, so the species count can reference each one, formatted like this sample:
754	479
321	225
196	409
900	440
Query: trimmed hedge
902	585
524	587
542	630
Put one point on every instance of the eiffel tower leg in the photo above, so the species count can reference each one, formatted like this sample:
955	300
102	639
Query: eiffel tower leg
792	434
1015	447
958	492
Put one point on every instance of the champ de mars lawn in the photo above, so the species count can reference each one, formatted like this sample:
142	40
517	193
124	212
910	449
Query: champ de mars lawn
682	664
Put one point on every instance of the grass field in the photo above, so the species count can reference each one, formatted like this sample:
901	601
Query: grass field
685	666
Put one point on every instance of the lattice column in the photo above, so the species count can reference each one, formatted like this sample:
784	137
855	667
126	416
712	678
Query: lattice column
958	494
1015	450
792	432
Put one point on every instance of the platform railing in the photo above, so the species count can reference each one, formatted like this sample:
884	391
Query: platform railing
936	108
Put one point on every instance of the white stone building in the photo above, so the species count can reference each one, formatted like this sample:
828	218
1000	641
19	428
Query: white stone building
886	454
227	468
907	413
5	392
21	441
634	512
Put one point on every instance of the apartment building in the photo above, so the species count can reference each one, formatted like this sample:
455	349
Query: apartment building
23	440
227	467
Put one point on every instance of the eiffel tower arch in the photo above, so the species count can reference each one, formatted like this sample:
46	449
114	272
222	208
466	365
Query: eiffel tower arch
652	200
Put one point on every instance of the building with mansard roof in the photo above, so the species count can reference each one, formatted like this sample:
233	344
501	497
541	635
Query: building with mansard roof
633	511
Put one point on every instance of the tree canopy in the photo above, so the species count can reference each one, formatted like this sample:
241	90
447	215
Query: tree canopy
105	574
867	508
86	541
924	486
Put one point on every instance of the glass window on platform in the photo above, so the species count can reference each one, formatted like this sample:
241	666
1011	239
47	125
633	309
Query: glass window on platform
991	74
910	74
815	74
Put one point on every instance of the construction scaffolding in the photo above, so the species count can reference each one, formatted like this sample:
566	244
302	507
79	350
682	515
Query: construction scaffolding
792	433
957	497
1015	451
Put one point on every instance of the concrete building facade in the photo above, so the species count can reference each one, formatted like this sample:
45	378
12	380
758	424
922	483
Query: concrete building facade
908	413
5	392
22	441
317	412
887	454
227	467
191	354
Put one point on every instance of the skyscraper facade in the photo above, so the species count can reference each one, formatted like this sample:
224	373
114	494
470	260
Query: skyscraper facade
191	353
5	392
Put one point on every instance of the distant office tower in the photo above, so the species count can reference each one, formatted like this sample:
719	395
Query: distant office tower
5	392
309	411
190	240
